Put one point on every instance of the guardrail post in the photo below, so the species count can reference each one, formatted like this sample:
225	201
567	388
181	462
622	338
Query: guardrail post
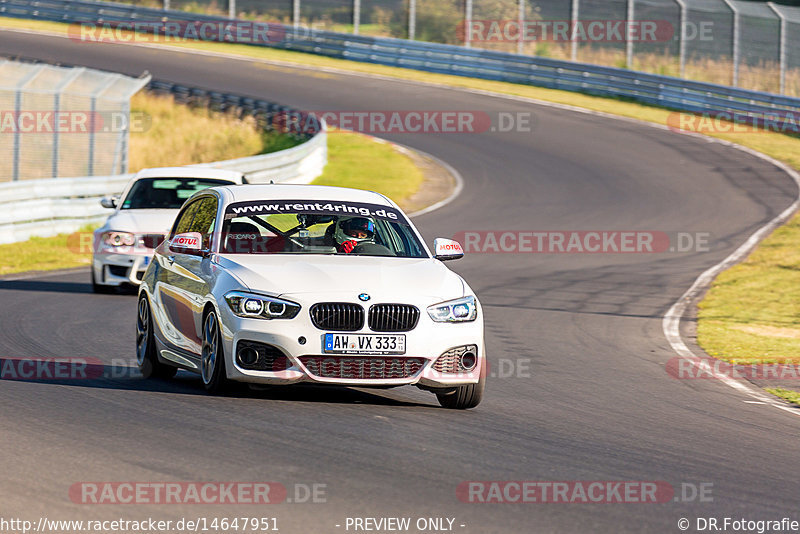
683	19
92	111
735	44
57	110
17	110
125	137
412	19
573	16
629	35
356	16
521	17
782	52
296	13
468	24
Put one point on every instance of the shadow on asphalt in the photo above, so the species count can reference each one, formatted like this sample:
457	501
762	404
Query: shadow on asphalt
60	287
94	375
41	285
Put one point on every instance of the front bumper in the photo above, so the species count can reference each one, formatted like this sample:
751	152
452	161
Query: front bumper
112	269
428	341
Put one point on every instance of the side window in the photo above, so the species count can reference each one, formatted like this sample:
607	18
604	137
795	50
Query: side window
204	219
184	221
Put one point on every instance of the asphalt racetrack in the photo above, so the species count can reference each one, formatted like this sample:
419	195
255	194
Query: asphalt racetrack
580	389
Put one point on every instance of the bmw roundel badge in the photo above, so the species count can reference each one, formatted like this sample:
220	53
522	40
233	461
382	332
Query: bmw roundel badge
363	297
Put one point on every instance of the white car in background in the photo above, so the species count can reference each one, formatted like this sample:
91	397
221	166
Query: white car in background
142	216
283	284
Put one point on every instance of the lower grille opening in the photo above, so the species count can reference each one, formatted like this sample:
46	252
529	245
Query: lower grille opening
118	270
457	360
363	367
254	356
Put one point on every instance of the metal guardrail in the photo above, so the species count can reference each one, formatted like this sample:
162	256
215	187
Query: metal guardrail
48	207
651	89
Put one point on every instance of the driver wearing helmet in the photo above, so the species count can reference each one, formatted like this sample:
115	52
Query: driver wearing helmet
352	232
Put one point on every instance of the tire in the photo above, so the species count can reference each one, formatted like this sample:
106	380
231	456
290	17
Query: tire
99	288
465	397
212	357
146	357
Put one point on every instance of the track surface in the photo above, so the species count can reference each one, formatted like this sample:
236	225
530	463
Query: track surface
598	404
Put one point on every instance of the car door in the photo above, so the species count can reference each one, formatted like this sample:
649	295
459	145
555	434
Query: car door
177	283
189	278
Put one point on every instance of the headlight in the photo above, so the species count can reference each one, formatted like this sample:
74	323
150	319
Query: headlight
454	311
118	239
261	307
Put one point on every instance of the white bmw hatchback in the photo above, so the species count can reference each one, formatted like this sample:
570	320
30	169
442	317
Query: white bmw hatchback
282	284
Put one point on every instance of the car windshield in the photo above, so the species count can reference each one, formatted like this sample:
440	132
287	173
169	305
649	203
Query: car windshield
165	193
318	227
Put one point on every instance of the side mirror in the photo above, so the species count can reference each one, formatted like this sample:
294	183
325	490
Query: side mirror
109	202
187	243
447	249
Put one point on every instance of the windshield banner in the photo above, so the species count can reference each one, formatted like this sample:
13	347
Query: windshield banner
318	207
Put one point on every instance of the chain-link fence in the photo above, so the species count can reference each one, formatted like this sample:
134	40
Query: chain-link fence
63	122
748	44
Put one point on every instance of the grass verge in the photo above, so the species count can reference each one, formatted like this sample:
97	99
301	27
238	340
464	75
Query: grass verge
42	254
785	394
361	162
175	134
750	312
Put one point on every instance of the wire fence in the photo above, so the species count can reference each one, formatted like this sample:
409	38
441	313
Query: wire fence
58	121
748	44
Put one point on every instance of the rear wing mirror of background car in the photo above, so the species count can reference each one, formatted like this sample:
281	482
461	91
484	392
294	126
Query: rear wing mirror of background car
447	249
109	202
187	243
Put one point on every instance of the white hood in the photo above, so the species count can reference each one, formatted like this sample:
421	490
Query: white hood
142	221
384	279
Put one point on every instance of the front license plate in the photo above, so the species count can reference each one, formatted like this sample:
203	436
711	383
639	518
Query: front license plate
364	344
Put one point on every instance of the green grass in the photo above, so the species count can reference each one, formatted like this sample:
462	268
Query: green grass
750	313
177	134
358	161
44	254
785	394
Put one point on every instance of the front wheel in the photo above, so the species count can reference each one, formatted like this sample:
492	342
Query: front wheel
212	357
465	397
146	357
